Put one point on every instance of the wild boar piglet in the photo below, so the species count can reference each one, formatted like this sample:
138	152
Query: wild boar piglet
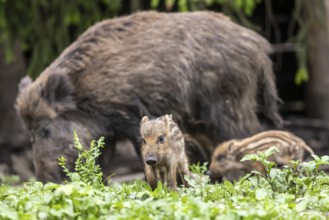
163	151
226	158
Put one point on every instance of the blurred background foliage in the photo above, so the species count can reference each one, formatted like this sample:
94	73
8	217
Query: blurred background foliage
44	28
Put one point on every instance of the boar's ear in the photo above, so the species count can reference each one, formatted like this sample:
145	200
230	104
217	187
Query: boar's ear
24	83
58	92
144	119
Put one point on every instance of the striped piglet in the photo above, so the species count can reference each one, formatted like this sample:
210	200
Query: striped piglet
226	158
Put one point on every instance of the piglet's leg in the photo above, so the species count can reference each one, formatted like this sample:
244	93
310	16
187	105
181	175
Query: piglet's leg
171	175
183	169
151	178
163	175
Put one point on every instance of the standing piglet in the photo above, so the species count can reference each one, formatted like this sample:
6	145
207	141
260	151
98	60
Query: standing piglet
163	151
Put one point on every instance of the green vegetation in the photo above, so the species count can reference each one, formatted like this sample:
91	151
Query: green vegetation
299	192
86	169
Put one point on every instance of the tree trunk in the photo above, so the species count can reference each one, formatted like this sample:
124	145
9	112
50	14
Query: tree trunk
317	24
15	151
12	132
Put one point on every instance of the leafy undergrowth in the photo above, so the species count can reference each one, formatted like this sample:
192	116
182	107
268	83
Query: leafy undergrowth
299	192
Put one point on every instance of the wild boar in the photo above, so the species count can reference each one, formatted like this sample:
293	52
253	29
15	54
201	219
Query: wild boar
198	66
163	151
226	159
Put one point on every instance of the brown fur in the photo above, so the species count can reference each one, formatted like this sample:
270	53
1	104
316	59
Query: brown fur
197	66
163	151
226	157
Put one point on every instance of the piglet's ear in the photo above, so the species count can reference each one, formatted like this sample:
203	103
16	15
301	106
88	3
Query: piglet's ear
58	92
24	83
167	119
230	147
145	119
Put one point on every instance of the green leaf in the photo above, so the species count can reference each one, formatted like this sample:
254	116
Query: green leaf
261	194
302	205
154	4
325	158
252	157
75	17
315	157
182	5
8	212
75	177
270	151
238	3
301	76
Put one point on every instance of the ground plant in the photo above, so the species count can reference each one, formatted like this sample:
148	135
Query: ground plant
300	191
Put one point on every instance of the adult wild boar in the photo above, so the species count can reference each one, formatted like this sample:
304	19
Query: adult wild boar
200	67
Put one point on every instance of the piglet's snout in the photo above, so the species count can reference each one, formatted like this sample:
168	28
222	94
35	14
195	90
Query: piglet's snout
151	160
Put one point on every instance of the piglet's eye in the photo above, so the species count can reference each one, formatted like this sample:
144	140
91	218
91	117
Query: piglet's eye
161	139
219	157
143	141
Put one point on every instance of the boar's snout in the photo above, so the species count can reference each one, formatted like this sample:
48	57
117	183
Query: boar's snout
151	160
48	172
214	176
208	172
211	174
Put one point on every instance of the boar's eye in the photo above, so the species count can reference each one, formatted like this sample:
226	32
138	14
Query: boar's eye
161	139
220	157
45	133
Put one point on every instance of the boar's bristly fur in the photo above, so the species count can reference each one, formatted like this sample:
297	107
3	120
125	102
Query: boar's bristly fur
197	66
